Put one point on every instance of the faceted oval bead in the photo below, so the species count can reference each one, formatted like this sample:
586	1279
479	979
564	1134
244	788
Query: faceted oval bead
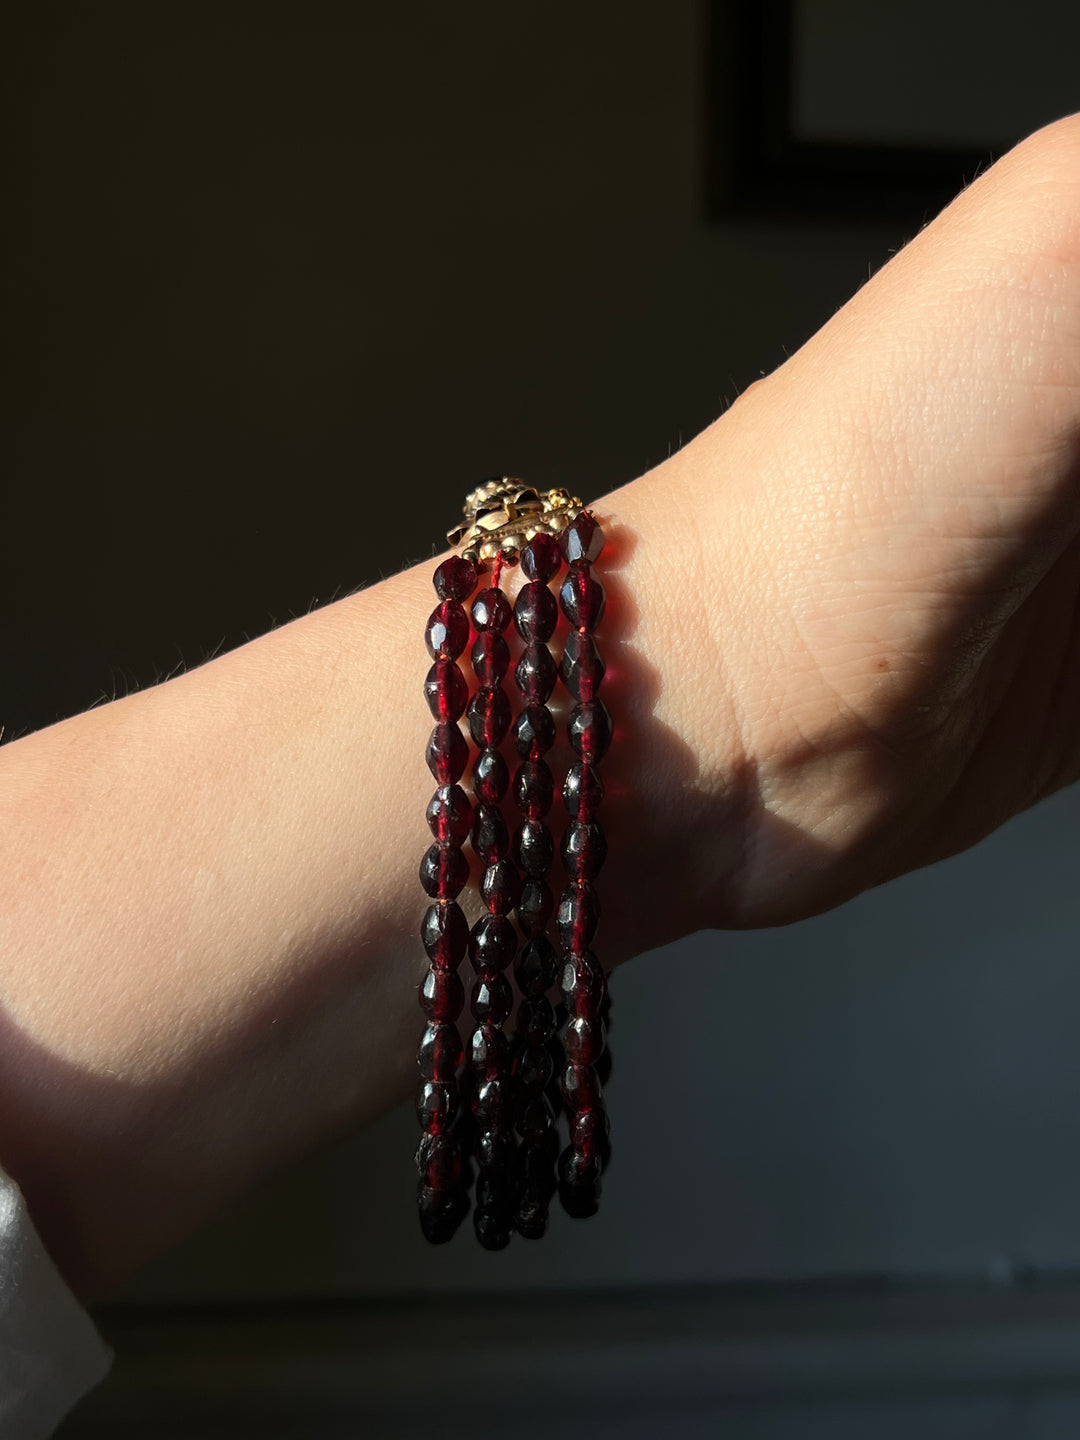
500	888
535	907
443	871
536	612
590	1135
536	1019
493	1229
441	1166
583	790
436	1105
580	1199
449	814
490	657
534	675
531	1217
578	917
440	1051
493	1188
455	579
447	753
534	732
533	848
536	967
589	728
445	933
447	631
489	716
580	1088
534	788
582	539
492	999
581	666
583	1040
440	1212
541	558
533	1067
583	984
491	1104
490	777
582	597
495	1149
491	610
490	837
584	849
534	1120
492	944
446	691
442	995
489	1051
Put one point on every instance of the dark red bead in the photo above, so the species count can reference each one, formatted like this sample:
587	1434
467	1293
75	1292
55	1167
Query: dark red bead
582	597
440	1051
436	1105
500	887
491	611
536	612
531	1217
491	1105
580	1088
541	559
535	907
581	667
490	777
490	657
583	1040
590	1135
490	837
582	539
445	690
534	732
447	753
447	631
492	944
584	849
589	728
493	1187
579	1197
583	790
494	1149
455	579
578	916
533	1067
536	1019
493	1230
441	1212
489	1051
442	995
583	984
443	871
449	814
533	848
534	1120
535	674
445	933
441	1165
492	999
489	716
533	788
536	967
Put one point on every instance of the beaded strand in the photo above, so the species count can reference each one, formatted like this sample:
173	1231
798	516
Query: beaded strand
442	1198
583	850
536	615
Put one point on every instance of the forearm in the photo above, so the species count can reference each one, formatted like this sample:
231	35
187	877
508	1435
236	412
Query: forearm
210	905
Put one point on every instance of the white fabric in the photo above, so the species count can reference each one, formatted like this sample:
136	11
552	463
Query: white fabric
50	1352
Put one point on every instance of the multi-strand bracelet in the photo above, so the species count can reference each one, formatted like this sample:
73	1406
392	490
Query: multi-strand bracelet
489	1105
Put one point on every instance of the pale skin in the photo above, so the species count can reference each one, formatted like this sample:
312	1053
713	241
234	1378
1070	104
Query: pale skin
843	643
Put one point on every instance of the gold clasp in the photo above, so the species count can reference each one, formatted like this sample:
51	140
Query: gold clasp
503	515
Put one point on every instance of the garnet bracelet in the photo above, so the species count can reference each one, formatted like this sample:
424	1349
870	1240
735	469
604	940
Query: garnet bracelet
496	1099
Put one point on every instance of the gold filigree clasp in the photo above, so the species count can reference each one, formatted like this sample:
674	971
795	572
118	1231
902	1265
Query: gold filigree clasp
503	515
